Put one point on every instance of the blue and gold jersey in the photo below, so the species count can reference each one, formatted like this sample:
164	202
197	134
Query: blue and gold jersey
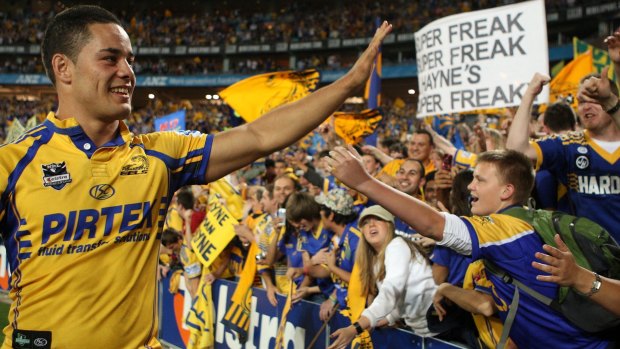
489	327
591	174
82	228
313	241
511	243
464	159
345	259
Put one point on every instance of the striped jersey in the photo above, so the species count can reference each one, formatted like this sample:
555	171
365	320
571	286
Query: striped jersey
591	174
511	244
82	228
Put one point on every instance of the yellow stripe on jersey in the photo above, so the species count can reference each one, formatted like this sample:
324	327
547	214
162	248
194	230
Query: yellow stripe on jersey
499	229
612	158
93	232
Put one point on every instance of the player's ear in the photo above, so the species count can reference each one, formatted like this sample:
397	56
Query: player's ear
62	68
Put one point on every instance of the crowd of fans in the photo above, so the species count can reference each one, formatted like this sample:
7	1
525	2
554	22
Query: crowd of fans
310	228
294	22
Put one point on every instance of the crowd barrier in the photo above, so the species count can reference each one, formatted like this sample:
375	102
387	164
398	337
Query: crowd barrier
302	323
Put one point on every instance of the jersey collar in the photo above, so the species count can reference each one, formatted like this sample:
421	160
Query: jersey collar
70	127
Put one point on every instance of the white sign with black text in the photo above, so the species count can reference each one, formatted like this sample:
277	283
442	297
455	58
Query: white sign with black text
481	59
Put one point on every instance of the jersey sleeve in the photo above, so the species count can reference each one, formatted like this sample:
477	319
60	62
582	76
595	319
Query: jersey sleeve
549	153
186	154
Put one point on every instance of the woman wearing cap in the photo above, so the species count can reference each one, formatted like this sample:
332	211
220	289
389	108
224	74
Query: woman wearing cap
395	272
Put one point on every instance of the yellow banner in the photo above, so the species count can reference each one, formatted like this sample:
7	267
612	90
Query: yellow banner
200	319
287	308
256	95
354	127
215	232
222	189
564	86
356	303
237	318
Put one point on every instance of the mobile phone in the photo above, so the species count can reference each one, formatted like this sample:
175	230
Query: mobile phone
446	163
282	215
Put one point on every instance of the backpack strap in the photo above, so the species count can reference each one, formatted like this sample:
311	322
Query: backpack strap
492	268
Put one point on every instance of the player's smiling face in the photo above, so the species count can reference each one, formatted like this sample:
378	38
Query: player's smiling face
102	79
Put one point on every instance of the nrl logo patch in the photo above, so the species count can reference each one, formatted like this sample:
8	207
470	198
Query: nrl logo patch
138	164
55	175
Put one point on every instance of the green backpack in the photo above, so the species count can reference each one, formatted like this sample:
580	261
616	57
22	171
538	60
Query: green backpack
593	249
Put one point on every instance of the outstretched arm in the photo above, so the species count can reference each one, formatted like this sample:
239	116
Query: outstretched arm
347	167
284	125
471	300
564	271
518	137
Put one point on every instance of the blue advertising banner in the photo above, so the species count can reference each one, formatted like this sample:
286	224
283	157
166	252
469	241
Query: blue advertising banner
301	327
171	122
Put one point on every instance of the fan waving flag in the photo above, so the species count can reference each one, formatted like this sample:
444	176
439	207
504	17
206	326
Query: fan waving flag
353	127
256	95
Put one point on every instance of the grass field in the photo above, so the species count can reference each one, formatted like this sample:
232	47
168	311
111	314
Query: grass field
4	318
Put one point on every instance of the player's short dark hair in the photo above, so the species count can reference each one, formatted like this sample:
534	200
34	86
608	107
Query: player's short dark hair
68	32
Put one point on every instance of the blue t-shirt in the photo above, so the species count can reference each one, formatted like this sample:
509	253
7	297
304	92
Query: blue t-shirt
456	263
312	242
550	193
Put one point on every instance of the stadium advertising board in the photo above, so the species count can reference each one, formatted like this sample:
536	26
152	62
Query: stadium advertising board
171	122
481	59
302	323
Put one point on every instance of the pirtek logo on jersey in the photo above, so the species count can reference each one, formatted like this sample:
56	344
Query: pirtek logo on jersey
102	191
